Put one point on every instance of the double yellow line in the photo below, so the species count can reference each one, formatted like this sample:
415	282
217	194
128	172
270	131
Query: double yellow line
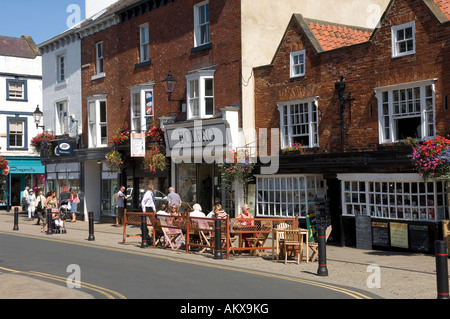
110	294
348	292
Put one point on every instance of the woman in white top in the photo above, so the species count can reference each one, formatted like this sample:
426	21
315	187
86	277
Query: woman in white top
31	200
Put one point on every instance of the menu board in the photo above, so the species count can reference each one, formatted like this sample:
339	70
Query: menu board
363	232
419	238
380	234
399	235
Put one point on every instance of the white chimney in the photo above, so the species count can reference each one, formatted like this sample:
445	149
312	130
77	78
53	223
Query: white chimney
93	7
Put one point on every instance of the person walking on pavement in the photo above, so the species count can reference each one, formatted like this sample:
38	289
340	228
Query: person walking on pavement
25	194
120	204
31	201
148	201
173	198
74	199
40	204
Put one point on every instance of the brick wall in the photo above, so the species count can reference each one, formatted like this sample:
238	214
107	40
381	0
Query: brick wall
171	39
364	67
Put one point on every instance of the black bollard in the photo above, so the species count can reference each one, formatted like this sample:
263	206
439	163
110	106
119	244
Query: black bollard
16	218
441	269
321	238
218	239
144	231
49	222
91	226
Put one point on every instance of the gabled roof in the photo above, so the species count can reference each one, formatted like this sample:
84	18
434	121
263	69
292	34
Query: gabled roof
326	36
333	35
440	9
23	47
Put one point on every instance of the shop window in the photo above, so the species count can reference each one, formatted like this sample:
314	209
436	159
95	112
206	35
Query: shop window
288	196
408	199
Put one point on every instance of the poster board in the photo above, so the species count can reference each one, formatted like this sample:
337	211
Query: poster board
311	225
363	232
446	233
399	234
380	234
419	238
137	145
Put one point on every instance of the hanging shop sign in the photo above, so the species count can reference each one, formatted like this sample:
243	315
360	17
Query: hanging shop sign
64	148
137	145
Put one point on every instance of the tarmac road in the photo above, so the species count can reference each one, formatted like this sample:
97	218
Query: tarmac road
403	275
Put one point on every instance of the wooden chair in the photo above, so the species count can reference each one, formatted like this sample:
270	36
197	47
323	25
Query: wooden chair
315	245
293	241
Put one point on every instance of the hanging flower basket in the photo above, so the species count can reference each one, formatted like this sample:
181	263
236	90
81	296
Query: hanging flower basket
121	136
154	134
432	159
154	159
114	161
237	166
43	143
3	164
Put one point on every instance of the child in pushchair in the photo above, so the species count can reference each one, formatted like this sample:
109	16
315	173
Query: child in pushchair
59	218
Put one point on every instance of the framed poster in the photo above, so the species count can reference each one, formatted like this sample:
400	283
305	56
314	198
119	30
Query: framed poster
399	235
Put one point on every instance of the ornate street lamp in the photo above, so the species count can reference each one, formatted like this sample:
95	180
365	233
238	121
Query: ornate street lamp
37	116
169	84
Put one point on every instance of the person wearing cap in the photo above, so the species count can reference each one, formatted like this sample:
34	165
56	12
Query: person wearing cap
31	200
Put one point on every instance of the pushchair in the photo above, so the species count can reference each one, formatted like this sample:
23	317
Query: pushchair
59	220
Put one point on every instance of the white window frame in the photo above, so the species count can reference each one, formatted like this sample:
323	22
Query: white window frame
144	93
61	68
201	98
295	65
144	48
99	52
312	125
201	28
95	125
397	42
388	116
62	117
393	196
288	195
18	135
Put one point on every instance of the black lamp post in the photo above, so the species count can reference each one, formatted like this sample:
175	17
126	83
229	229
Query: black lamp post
169	83
37	116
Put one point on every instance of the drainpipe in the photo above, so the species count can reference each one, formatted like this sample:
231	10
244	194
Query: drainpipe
340	88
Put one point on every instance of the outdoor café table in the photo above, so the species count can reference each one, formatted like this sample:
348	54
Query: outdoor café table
276	237
241	231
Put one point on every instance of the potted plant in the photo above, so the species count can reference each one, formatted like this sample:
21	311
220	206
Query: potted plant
431	159
295	147
154	159
114	161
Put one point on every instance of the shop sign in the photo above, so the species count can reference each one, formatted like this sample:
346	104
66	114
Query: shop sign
64	148
199	135
137	145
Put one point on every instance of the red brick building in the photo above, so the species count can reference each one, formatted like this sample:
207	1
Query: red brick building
127	52
351	96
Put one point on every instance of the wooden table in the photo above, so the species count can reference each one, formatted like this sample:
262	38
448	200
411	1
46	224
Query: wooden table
276	236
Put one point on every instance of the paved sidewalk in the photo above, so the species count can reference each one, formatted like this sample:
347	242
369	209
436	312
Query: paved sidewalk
402	275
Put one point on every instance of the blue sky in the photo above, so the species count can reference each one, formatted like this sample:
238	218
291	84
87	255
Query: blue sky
40	19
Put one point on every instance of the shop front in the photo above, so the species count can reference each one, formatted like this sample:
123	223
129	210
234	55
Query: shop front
23	171
195	148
